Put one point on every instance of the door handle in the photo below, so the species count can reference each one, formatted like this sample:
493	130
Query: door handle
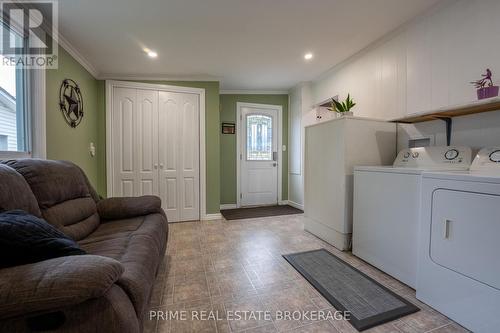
446	229
275	155
155	166
161	165
275	164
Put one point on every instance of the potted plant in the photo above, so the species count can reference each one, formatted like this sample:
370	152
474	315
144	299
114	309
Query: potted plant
342	108
485	87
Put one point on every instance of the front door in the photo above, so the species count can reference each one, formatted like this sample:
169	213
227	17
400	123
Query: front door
259	156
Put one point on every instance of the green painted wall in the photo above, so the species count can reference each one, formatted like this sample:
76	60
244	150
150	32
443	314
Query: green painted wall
72	144
64	142
228	142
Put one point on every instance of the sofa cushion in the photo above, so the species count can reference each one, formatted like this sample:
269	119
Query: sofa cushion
26	239
63	195
15	192
138	244
77	218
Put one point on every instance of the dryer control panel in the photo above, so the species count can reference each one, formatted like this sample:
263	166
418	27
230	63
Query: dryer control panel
487	160
443	157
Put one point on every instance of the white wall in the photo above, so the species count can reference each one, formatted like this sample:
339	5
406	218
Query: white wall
299	106
423	66
476	131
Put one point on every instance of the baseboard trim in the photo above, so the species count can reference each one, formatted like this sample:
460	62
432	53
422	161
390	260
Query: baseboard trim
296	205
283	202
339	240
210	217
228	206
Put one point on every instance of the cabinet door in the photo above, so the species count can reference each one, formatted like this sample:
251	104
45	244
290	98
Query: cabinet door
464	234
418	67
440	58
135	142
179	155
473	47
393	78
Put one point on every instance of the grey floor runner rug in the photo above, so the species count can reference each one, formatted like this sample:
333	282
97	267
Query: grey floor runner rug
348	289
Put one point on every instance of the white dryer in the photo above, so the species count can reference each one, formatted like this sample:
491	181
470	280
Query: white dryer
459	247
387	205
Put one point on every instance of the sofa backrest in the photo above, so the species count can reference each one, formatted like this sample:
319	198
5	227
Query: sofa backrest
63	195
15	192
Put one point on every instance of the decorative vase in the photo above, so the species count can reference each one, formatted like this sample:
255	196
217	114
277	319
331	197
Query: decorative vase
487	92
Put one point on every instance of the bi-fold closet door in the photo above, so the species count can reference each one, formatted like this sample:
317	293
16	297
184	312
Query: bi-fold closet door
155	148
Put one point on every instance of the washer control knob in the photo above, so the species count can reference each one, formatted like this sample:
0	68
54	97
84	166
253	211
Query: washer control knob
451	154
495	156
406	155
415	154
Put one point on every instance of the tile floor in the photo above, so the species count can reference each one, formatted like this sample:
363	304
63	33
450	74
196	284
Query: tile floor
215	267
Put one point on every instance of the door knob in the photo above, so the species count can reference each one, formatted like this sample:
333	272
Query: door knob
275	164
161	165
155	166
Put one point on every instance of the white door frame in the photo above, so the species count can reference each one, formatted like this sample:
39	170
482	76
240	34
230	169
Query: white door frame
110	85
279	109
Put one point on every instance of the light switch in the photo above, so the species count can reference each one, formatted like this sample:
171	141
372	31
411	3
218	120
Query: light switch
283	148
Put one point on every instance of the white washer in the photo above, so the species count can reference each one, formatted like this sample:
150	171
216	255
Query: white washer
459	247
387	205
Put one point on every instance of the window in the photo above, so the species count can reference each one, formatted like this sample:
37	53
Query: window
259	138
4	142
14	92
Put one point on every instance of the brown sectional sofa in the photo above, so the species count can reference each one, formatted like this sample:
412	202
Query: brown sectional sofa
107	290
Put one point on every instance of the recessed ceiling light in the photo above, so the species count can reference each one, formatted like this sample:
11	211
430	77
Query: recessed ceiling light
308	56
151	53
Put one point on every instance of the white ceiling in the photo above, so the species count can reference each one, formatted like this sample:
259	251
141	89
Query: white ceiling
246	44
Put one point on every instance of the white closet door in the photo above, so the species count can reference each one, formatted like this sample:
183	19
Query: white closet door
179	155
147	142
135	142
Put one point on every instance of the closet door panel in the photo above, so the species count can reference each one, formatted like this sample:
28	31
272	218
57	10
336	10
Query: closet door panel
169	149
147	142
155	136
189	119
124	108
179	155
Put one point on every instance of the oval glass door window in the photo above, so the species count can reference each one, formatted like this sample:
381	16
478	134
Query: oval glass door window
259	137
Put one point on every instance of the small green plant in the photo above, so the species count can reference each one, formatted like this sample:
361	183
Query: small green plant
342	107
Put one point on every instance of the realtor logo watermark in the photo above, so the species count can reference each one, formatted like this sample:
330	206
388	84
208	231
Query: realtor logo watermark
203	315
29	34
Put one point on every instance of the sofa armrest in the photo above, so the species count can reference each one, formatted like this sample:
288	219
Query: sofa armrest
55	284
120	208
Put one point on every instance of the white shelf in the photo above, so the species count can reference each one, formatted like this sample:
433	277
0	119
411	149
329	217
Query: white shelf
484	105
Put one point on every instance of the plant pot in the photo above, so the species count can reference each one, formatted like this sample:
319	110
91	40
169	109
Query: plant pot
487	92
345	114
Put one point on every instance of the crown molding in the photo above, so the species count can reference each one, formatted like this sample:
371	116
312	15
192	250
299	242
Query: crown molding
63	42
159	77
254	92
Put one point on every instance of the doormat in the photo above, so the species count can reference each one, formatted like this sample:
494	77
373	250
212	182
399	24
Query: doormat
255	212
348	289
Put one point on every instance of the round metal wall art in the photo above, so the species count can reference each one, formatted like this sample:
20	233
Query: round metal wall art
71	102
